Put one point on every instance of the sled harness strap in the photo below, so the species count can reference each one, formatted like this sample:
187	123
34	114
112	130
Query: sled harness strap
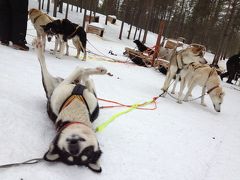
74	31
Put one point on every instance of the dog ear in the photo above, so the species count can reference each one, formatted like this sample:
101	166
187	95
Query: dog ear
95	167
51	154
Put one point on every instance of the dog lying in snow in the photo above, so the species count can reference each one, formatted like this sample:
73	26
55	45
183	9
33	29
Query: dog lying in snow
65	29
204	76
72	105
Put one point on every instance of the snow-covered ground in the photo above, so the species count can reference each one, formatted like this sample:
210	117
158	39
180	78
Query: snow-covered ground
175	142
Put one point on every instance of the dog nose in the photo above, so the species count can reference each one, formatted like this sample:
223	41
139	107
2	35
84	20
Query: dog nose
73	147
49	39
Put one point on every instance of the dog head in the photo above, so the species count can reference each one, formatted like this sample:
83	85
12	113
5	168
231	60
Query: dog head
75	144
193	54
217	95
32	11
141	47
53	28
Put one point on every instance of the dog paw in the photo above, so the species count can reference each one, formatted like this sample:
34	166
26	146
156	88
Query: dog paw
172	92
37	43
101	70
179	101
59	56
185	99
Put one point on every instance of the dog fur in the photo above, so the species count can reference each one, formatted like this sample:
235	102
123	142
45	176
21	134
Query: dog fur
179	60
75	142
204	76
142	48
68	30
38	18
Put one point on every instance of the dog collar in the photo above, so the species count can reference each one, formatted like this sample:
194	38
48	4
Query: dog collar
210	90
35	19
64	126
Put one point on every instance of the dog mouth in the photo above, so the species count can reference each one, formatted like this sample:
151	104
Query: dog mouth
73	146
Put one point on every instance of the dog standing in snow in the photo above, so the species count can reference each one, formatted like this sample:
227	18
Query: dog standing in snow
65	29
72	105
204	76
180	60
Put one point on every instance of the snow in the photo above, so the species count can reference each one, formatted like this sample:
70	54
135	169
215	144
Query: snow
99	25
175	142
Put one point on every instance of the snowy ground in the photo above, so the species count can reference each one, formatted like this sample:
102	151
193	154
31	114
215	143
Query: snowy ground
174	142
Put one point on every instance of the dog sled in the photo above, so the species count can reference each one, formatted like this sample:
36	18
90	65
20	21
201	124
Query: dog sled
145	59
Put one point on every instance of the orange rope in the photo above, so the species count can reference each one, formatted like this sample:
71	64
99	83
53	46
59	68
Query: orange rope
124	105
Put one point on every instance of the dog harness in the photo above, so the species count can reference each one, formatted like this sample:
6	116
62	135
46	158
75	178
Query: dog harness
74	31
36	18
77	93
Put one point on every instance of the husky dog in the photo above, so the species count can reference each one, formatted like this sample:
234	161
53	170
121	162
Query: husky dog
72	105
68	30
38	18
204	76
179	60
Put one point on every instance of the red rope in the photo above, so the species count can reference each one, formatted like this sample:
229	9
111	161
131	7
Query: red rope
124	105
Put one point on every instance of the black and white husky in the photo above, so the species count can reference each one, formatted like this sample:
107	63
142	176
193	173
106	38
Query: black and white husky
73	106
65	29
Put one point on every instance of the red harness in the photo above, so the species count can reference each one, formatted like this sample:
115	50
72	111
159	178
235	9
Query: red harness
69	124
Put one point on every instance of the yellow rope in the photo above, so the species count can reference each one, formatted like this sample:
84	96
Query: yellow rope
101	127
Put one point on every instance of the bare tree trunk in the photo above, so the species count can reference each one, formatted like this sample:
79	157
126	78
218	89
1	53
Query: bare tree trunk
150	10
84	18
106	11
55	8
60	6
140	33
39	4
134	37
225	32
66	15
48	6
42	4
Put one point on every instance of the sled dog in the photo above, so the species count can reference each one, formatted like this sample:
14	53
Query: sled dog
179	60
68	30
39	19
204	76
72	105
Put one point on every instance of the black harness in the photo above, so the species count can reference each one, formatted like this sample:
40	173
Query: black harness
77	91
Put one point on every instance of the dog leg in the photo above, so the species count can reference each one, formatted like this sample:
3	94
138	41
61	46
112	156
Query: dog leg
57	43
170	74
84	51
190	88
44	41
89	82
175	84
49	82
62	47
203	94
182	87
76	43
67	49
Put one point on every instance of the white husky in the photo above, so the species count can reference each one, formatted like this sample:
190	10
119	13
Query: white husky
72	106
179	61
204	76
